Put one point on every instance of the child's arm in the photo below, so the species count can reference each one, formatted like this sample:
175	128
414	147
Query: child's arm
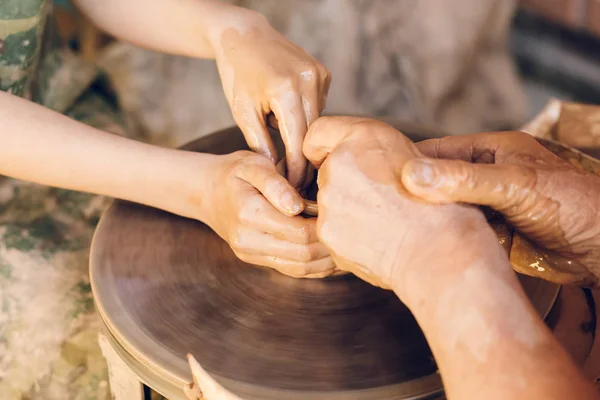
45	147
190	28
261	70
240	196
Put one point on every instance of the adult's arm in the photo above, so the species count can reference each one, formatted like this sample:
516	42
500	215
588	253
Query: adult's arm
443	261
487	340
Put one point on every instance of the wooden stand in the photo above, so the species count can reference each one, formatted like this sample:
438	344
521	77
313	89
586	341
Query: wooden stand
124	383
571	329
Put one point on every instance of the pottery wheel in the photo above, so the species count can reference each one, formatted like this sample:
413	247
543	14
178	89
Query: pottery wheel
166	286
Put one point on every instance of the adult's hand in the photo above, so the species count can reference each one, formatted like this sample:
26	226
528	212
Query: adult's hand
246	202
443	261
553	203
371	224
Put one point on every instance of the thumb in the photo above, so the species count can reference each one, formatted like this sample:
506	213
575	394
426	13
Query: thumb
449	181
208	387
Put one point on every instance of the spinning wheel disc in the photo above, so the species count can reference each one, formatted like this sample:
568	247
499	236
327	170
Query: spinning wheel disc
166	286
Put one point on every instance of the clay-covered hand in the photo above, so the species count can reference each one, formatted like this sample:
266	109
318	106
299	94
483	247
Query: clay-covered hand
373	227
547	199
263	72
256	211
204	386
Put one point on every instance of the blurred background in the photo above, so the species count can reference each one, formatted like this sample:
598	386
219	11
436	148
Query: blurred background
461	66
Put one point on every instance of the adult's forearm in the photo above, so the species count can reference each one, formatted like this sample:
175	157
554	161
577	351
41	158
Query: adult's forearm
182	27
487	339
45	147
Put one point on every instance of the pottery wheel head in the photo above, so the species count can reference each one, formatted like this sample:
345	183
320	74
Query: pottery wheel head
166	286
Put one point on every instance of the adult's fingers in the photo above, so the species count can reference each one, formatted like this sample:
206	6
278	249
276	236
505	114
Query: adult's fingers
249	241
296	269
327	133
253	125
501	187
289	110
480	147
209	388
273	186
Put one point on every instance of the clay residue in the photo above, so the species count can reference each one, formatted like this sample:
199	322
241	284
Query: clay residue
530	259
263	73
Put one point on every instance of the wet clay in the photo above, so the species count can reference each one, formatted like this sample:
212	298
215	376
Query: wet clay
309	194
550	197
530	259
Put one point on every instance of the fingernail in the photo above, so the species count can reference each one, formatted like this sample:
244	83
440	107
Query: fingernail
291	202
422	172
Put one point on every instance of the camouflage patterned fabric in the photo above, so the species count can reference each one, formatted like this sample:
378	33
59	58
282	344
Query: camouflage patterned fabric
48	327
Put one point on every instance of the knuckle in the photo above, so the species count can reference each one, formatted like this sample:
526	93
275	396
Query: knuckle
261	161
324	71
462	171
245	213
309	72
304	234
239	107
284	84
239	166
249	209
236	240
245	154
240	158
248	156
325	74
306	254
245	159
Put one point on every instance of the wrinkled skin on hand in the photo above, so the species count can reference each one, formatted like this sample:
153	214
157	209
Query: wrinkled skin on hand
550	201
372	226
256	211
263	72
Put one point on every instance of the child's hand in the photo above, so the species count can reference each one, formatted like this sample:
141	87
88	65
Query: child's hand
256	210
263	72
